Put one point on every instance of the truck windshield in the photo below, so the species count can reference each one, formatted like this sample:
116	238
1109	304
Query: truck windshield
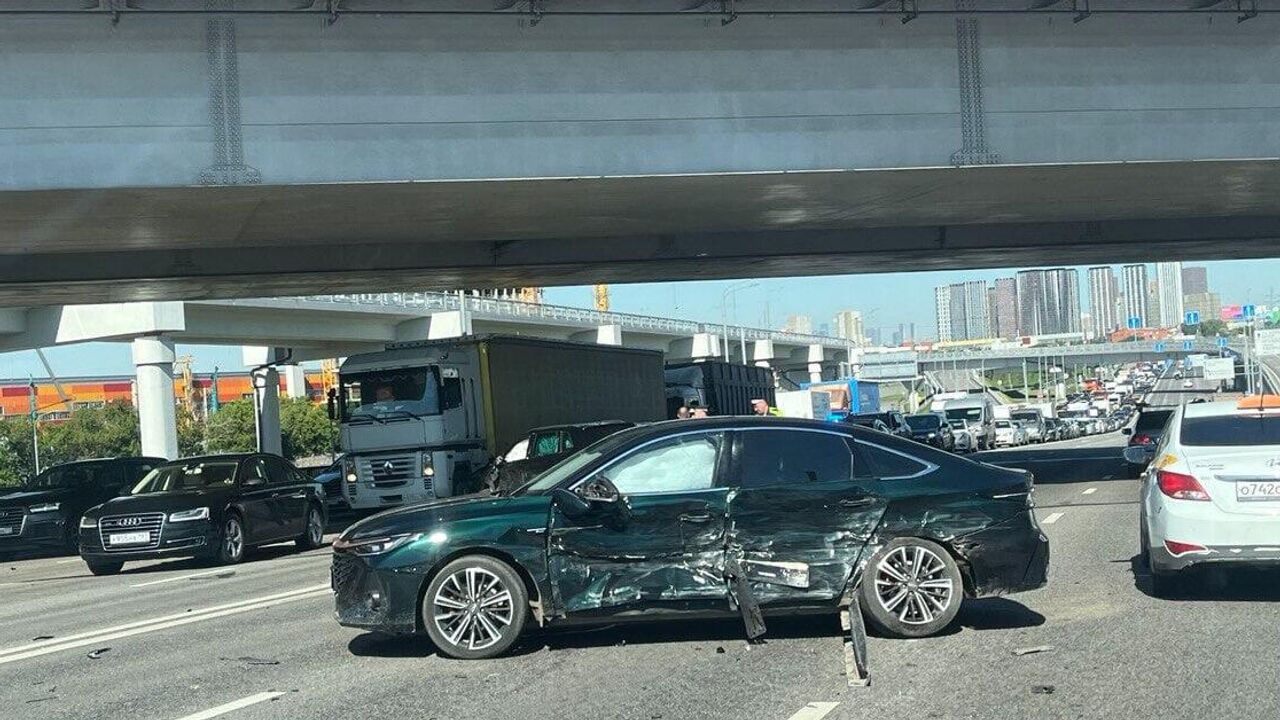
969	413
415	391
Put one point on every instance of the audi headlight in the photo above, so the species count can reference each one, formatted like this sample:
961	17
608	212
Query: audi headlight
201	513
88	523
375	546
44	507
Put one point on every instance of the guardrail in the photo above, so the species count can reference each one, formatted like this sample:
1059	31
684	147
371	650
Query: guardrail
1052	351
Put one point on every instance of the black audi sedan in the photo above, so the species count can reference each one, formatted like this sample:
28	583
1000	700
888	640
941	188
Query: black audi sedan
724	516
44	513
212	507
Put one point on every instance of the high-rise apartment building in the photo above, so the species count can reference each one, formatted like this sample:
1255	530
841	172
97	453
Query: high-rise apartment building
1169	290
1194	280
1103	293
1005	314
799	324
942	311
848	326
1135	294
976	324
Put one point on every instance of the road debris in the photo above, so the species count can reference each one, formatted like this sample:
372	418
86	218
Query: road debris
1019	652
1042	689
38	638
95	654
256	661
719	649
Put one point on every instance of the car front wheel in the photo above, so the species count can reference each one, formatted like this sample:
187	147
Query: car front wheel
231	542
475	608
911	589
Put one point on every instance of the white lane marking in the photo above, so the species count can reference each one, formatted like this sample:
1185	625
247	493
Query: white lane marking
1089	491
214	712
69	560
1053	518
44	647
812	711
184	577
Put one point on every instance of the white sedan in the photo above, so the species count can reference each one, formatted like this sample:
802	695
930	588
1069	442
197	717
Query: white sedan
1211	494
1009	434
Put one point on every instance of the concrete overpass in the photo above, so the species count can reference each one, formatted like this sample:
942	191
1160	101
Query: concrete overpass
262	151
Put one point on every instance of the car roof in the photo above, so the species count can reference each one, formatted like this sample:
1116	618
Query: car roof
585	425
225	457
1218	408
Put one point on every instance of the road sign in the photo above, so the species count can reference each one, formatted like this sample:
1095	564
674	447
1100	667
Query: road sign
1219	369
1188	345
1267	342
1134	322
1222	342
1192	317
1248	311
1159	347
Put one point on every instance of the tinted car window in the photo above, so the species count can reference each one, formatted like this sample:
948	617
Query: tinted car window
791	457
1153	420
566	441
924	422
1231	430
279	472
253	468
886	464
677	464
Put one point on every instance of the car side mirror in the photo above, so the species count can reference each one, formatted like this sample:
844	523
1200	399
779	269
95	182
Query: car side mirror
1139	454
1127	431
571	504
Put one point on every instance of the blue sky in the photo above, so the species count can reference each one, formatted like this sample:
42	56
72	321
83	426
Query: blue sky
884	299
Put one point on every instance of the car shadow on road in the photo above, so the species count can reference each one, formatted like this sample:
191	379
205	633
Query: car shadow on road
1214	584
372	644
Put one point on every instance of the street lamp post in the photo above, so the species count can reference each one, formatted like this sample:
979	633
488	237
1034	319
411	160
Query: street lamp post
724	303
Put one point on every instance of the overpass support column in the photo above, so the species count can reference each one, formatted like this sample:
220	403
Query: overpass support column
157	418
295	381
816	357
266	384
763	354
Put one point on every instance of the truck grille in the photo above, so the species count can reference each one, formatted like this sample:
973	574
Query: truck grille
11	521
387	470
151	523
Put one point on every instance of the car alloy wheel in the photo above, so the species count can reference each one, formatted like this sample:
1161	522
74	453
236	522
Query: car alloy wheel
232	540
912	584
472	609
315	528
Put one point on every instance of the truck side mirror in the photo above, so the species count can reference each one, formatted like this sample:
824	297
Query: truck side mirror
331	404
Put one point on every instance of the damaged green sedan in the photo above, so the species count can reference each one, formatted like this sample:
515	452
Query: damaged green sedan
690	519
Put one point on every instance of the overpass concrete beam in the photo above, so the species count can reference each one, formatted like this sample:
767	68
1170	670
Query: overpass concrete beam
61	325
701	346
603	335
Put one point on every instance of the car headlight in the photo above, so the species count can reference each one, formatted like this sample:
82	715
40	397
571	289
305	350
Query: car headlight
44	507
375	546
200	513
933	435
88	523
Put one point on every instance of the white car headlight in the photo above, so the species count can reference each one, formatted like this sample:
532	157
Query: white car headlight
201	513
376	546
44	507
88	523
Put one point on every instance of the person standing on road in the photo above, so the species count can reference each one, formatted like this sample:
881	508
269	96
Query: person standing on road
761	407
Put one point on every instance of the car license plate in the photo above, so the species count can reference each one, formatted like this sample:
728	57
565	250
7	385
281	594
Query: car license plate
1257	490
132	538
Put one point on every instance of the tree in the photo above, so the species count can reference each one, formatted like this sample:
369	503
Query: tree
191	433
306	428
1206	328
231	429
89	432
16	461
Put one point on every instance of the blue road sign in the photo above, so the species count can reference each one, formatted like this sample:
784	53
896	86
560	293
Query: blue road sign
1188	345
1159	347
1192	317
1222	342
1135	322
1248	311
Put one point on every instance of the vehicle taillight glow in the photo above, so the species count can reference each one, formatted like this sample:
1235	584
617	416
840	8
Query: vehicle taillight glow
1142	439
1179	486
1180	548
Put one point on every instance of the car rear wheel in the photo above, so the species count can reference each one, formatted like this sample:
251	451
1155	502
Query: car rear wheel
231	541
104	568
911	589
313	534
475	608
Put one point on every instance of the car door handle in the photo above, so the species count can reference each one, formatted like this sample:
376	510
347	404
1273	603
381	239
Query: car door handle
857	502
695	517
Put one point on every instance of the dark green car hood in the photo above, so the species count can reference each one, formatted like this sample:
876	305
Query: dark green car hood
493	516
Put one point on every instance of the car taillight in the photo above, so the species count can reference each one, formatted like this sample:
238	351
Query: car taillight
1180	548
1179	486
1142	439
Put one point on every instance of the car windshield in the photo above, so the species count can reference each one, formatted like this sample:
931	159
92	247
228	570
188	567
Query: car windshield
1028	416
1003	424
1230	430
924	422
415	391
64	476
184	477
969	413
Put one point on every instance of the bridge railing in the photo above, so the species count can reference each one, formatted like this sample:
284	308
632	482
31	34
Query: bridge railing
1206	345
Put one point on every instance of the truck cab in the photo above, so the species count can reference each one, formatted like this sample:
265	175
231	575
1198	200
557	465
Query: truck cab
410	425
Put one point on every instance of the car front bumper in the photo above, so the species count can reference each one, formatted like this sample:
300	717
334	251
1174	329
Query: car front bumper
369	598
38	531
192	539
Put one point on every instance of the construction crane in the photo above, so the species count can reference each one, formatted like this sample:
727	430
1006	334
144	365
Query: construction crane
601	292
183	366
329	375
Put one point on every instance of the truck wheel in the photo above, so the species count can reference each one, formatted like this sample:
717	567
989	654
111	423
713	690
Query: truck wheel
475	608
911	589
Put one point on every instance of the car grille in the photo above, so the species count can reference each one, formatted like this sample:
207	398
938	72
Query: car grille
12	519
152	523
345	574
387	470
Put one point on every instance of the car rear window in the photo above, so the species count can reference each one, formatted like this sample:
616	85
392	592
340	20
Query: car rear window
1153	420
1230	430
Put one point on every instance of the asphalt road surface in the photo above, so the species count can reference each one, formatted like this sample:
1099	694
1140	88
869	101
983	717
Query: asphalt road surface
180	641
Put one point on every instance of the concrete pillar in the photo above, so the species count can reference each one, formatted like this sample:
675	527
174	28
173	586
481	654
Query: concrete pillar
295	381
609	335
266	382
157	418
449	324
816	358
701	346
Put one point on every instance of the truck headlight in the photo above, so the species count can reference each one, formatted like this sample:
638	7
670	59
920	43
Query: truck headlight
349	470
88	523
44	507
200	513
